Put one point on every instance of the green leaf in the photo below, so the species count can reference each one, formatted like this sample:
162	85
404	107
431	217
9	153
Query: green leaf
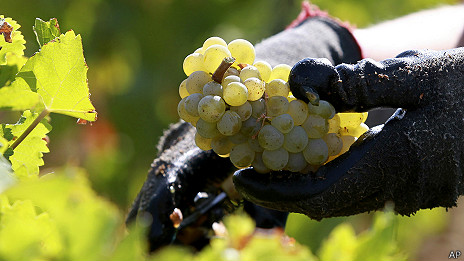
9	70
340	245
15	97
27	157
46	31
58	73
17	44
24	234
87	224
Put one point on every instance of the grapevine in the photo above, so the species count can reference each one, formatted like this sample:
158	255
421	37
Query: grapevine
244	109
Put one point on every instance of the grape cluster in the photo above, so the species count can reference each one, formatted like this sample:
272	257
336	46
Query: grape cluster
244	110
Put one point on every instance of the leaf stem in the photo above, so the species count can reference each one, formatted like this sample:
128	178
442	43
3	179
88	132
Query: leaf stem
29	129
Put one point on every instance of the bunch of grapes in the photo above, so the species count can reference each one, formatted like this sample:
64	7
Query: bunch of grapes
244	110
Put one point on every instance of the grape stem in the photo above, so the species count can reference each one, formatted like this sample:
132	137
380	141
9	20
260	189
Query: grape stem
262	117
29	129
222	68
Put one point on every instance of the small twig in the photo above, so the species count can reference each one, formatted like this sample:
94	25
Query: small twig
222	68
29	129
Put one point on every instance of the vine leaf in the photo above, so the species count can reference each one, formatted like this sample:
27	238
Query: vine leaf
12	41
27	156
58	73
15	97
46	31
9	70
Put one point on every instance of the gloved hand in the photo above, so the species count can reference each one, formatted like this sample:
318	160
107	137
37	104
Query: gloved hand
415	160
181	170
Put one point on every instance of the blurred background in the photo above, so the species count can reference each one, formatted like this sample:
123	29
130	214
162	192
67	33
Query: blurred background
135	49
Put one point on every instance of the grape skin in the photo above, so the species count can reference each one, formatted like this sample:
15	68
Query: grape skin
191	103
277	87
270	138
316	152
244	110
196	81
235	93
296	140
264	69
229	124
275	159
242	50
255	88
211	108
242	155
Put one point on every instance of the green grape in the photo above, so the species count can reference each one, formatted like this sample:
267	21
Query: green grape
238	138
258	108
229	124
296	140
347	142
264	69
202	142
212	88
258	164
196	81
222	145
213	57
242	50
277	105
334	124
316	152
296	162
275	159
280	71
191	103
248	72
212	41
351	119
183	114
315	126
254	145
231	71
298	110
183	89
242	155
244	110
229	79
277	87
193	62
235	93
324	109
334	143
250	127
255	88
283	122
199	50
270	138
207	129
211	108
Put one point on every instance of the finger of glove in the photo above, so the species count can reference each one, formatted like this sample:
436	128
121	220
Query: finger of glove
408	81
413	168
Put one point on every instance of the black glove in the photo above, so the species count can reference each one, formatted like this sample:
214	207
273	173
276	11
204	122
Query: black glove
414	160
181	170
